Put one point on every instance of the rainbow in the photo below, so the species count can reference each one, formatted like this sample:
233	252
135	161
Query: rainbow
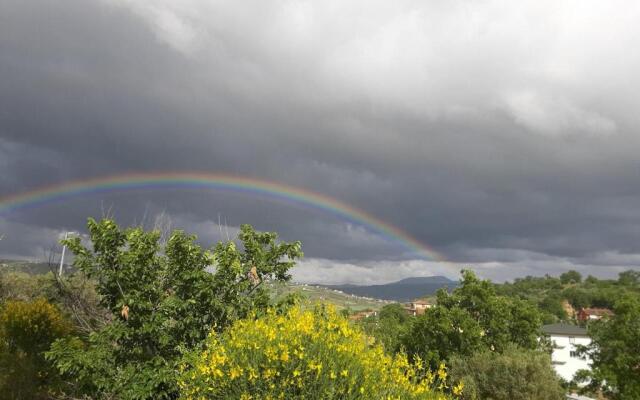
197	180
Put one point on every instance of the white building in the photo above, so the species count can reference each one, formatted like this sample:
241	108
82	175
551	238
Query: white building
565	338
573	396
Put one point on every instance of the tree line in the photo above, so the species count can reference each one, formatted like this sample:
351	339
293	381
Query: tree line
151	316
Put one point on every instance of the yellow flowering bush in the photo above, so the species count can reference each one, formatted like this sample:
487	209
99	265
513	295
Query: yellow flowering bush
27	329
311	354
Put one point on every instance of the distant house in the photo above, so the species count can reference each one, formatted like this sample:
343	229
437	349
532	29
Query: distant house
593	314
573	396
565	338
417	307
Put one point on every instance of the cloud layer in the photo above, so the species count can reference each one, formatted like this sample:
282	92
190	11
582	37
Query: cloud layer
487	130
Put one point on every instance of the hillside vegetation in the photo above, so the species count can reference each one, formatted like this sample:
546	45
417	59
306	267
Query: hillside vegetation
402	291
141	317
557	297
318	294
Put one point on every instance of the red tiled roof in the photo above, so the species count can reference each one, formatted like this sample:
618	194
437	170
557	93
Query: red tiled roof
596	311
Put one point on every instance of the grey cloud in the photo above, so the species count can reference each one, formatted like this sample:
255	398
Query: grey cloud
328	272
495	133
21	241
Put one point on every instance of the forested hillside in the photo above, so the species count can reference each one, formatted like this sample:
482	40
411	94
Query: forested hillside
558	298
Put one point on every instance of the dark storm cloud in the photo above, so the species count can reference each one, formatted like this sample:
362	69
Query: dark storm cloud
496	133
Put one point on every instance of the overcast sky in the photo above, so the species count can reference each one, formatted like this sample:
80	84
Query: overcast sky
504	134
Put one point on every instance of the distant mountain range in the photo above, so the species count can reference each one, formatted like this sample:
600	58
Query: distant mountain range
401	291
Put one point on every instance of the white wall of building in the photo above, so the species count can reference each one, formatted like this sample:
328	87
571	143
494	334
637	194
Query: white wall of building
564	357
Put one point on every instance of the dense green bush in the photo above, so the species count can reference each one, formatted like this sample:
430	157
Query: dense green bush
514	374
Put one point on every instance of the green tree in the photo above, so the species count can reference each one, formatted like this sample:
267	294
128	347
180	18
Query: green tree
394	312
571	276
629	278
615	351
514	374
27	329
441	333
552	306
473	317
591	280
388	327
163	299
578	297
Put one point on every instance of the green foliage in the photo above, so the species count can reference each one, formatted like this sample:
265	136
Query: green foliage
551	307
615	351
629	278
578	297
27	330
15	285
514	374
163	300
314	294
472	318
549	292
441	333
313	354
571	277
394	312
74	294
388	327
77	296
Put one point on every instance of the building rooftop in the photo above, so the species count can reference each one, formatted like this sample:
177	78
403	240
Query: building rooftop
597	311
574	396
564	329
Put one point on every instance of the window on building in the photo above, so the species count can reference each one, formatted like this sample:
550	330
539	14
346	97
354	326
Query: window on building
575	354
572	340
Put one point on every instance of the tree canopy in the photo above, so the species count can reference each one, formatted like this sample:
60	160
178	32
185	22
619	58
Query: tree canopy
472	318
164	299
615	351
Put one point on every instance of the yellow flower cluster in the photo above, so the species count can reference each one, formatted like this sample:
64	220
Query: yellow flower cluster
32	326
312	354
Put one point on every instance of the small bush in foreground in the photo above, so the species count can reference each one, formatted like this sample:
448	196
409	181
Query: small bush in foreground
27	329
304	354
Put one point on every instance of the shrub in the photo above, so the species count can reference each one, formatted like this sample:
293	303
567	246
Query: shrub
16	285
303	354
516	374
27	329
